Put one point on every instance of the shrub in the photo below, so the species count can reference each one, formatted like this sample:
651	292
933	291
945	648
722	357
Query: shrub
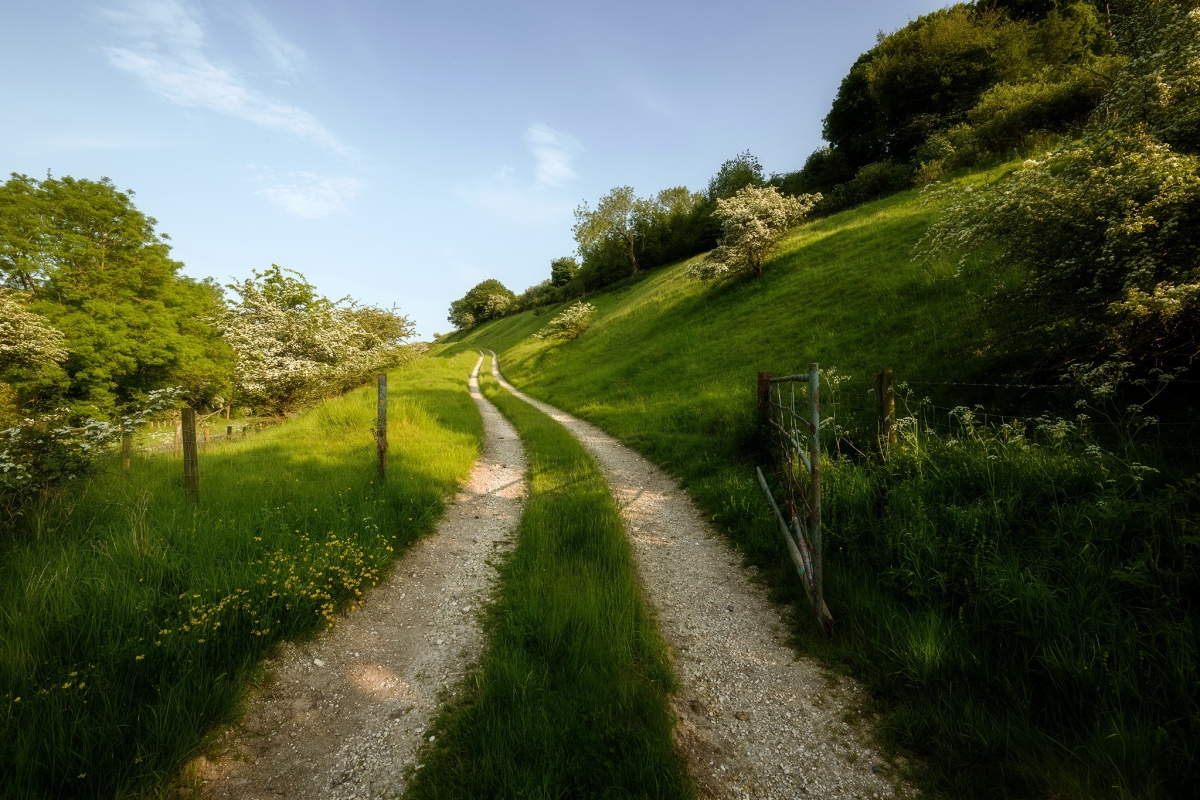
752	223
572	322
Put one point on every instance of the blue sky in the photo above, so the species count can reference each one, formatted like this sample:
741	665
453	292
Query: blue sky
403	152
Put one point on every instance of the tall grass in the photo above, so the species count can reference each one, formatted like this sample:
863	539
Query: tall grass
1064	665
1030	608
570	699
131	621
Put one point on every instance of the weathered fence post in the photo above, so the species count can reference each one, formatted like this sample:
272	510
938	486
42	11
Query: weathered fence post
126	448
885	403
191	465
764	398
814	457
381	426
228	431
178	435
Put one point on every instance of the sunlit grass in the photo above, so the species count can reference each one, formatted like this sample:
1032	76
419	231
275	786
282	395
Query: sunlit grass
131	619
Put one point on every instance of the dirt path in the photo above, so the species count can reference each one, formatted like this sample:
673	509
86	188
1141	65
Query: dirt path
343	716
753	720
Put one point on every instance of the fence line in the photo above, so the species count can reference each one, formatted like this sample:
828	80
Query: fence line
185	436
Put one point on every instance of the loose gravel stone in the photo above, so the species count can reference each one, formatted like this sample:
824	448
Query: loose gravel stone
753	719
345	715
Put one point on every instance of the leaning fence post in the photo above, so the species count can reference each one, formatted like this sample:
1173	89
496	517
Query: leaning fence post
126	448
764	397
814	457
191	470
381	425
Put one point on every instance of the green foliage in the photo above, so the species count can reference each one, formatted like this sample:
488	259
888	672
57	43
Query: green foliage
1102	226
736	174
570	699
562	270
954	88
133	620
487	300
96	270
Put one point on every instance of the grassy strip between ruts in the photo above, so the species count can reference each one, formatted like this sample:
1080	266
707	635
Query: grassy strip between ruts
131	620
570	699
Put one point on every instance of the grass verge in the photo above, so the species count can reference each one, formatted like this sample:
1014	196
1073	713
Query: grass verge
570	699
131	620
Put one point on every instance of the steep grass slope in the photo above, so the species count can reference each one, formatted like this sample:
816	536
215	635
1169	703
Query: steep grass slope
1026	610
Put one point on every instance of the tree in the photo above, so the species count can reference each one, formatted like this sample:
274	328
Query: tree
487	300
94	267
753	221
562	270
293	345
1103	227
615	218
734	175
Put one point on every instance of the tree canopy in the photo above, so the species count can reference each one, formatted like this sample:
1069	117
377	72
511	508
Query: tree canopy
486	300
92	265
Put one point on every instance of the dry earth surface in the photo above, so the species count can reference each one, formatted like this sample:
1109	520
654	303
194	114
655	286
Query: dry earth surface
753	719
344	716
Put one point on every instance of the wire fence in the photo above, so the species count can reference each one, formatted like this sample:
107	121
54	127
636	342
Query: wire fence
185	437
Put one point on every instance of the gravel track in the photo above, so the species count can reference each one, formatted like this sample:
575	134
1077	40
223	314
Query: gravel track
345	715
753	719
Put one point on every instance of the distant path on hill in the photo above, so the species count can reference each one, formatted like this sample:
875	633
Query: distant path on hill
344	715
752	719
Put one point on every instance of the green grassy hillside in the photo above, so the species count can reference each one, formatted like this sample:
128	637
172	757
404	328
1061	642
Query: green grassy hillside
1023	609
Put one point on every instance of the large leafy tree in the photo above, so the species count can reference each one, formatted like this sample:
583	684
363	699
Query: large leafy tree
617	218
95	268
487	300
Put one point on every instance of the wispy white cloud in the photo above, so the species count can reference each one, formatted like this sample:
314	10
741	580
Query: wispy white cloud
308	195
169	56
553	151
286	58
538	201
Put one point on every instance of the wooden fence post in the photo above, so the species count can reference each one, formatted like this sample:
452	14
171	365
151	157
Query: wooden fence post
228	431
885	404
381	426
814	523
178	434
191	466
126	449
764	398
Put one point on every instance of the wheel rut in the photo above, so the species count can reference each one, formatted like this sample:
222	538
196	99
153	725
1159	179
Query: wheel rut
344	716
752	718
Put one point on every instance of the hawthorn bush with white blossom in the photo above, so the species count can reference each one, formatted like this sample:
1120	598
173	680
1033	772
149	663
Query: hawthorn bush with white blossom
293	346
753	221
569	324
1103	228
